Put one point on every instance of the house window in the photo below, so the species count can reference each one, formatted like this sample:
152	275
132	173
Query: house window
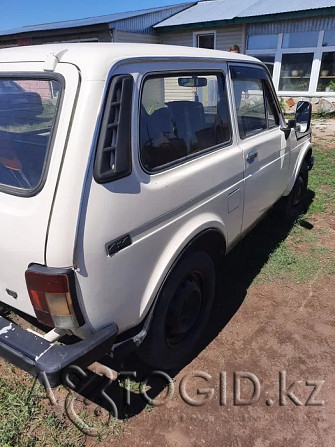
264	47
300	40
296	72
267	59
299	62
263	42
205	40
326	81
329	38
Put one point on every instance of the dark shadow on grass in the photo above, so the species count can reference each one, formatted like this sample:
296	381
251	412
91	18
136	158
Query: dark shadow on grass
238	271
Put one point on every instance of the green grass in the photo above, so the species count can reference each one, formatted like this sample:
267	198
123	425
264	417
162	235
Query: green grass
286	263
302	256
15	413
322	182
26	421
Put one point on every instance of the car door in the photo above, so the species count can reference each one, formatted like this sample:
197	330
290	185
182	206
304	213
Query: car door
33	138
266	151
186	175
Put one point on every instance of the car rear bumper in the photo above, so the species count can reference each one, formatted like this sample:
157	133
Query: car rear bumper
46	360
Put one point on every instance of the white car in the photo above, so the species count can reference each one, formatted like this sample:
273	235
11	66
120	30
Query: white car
116	208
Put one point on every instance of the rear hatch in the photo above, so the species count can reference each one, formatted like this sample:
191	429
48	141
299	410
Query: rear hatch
35	112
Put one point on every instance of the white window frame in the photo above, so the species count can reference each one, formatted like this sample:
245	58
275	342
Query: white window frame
316	65
203	33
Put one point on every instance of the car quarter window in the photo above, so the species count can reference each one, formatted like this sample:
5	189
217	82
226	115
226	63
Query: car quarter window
182	115
28	114
255	103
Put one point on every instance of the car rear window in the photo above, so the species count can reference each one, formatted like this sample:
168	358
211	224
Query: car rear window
28	109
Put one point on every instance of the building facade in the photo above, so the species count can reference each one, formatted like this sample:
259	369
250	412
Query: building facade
301	55
297	45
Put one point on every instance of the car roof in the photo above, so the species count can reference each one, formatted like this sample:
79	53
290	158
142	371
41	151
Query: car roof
95	59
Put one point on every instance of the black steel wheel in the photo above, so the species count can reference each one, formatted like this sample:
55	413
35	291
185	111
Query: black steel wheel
181	313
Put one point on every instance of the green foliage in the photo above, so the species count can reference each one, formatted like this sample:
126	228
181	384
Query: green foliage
323	114
282	104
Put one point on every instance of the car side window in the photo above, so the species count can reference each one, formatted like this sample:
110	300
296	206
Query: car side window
181	116
255	104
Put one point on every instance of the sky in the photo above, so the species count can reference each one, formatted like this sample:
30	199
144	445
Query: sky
18	13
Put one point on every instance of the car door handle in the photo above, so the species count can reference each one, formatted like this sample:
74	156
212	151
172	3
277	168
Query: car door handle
251	156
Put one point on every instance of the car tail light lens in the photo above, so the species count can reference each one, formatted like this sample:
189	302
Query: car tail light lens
50	295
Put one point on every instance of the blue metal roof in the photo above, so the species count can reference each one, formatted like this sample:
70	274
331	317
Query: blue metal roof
109	18
217	10
264	7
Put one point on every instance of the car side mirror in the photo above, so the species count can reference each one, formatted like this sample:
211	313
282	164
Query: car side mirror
303	116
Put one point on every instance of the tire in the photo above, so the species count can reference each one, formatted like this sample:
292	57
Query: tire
292	206
181	313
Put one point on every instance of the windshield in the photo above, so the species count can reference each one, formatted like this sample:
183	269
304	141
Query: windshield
27	116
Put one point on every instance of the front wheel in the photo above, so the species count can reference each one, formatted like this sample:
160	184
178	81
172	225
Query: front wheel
182	312
293	205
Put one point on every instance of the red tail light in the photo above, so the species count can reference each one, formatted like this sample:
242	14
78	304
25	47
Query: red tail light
50	295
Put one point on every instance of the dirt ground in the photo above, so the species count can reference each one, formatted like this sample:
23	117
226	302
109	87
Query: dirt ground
273	331
324	133
277	328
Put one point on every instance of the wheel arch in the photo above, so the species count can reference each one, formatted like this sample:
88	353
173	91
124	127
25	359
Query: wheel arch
211	238
305	154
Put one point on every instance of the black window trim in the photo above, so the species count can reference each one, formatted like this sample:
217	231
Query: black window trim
266	79
124	126
267	89
190	157
36	76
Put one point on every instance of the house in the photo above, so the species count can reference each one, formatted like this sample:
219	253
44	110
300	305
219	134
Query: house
295	38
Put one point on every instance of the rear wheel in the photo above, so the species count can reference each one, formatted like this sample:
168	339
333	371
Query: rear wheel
181	313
